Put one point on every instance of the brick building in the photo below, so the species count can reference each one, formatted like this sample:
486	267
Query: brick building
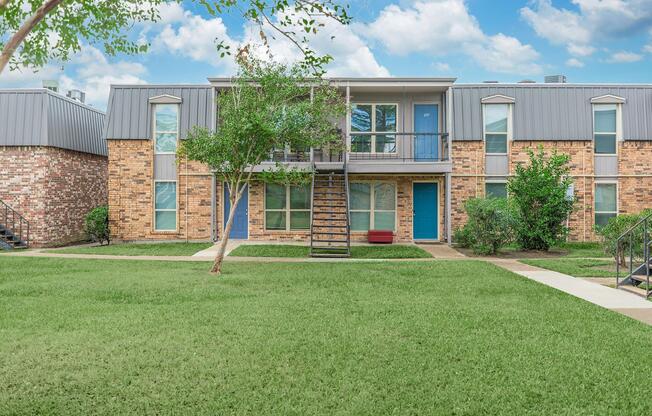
53	167
417	149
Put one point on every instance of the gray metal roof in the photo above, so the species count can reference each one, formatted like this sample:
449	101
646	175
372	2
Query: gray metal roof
129	110
552	111
39	117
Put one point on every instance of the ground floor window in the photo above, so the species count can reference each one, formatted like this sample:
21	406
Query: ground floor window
165	206
373	206
287	207
606	206
496	189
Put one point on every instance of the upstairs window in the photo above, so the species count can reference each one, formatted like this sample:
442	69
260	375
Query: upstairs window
166	128
373	128
605	128
496	128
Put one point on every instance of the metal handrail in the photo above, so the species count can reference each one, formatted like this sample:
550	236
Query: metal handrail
312	202
348	212
645	222
23	228
441	144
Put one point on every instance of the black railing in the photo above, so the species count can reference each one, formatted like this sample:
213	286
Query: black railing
633	252
15	224
406	147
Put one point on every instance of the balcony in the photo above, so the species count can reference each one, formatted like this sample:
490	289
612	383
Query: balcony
375	153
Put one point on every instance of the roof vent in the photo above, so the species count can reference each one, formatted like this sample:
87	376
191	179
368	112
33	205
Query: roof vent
77	95
490	82
527	81
555	79
51	85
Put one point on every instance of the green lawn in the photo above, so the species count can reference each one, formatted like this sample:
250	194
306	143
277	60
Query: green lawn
447	337
577	267
138	249
357	252
586	250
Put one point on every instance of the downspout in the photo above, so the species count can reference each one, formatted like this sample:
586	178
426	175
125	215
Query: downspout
187	208
213	208
449	147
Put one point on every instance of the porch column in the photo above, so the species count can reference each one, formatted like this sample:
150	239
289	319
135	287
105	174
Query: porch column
449	231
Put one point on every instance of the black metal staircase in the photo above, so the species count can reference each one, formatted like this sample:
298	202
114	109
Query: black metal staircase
634	248
330	231
14	228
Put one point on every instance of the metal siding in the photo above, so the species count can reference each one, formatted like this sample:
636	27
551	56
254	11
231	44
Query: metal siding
544	112
606	165
74	126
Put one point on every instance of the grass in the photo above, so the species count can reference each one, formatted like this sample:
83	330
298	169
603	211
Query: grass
585	250
136	249
357	252
576	267
446	337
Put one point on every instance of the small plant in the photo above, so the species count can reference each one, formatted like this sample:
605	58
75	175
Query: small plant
489	226
96	225
539	193
614	229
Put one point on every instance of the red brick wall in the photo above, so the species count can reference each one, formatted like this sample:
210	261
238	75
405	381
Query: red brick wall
53	189
131	190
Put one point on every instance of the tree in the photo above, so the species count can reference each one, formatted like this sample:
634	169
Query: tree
35	32
616	227
489	226
270	106
539	192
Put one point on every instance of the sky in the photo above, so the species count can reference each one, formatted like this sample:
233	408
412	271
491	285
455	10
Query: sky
606	41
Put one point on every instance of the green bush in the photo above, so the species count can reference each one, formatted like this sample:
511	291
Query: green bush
489	226
538	192
617	227
96	224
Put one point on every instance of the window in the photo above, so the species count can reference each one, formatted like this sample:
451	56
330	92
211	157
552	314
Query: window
287	207
496	127
373	206
496	189
377	123
166	128
165	206
605	128
605	202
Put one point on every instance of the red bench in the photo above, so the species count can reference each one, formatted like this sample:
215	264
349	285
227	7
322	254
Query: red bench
380	236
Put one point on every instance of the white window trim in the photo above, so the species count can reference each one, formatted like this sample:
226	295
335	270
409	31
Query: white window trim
155	132
175	210
508	133
287	210
372	204
619	126
595	187
373	133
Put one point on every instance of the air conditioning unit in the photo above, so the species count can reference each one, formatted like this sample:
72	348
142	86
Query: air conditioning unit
555	79
77	95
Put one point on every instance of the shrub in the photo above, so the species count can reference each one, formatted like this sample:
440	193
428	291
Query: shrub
463	237
538	192
96	224
617	227
489	226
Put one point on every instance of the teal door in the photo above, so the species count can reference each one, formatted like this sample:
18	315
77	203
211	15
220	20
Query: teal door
426	142
425	215
240	227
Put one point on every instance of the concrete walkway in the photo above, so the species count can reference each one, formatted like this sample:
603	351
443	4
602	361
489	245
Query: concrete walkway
616	300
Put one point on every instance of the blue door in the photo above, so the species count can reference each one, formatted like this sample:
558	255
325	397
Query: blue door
426	120
240	227
425	215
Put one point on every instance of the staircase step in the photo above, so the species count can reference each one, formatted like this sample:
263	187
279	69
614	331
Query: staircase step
329	241
640	277
328	233
329	226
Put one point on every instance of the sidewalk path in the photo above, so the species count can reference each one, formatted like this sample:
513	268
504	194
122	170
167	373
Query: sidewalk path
616	300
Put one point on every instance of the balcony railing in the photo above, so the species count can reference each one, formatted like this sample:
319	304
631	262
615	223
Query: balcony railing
403	147
406	147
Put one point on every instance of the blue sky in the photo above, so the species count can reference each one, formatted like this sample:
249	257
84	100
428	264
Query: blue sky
473	40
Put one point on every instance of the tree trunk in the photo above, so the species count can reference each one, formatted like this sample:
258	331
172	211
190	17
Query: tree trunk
219	257
14	42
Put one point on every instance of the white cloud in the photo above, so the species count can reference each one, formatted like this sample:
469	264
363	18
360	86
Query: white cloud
439	27
624	57
28	78
442	66
648	48
574	62
594	20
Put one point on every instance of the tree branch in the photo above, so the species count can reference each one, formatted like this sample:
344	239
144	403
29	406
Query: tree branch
18	37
